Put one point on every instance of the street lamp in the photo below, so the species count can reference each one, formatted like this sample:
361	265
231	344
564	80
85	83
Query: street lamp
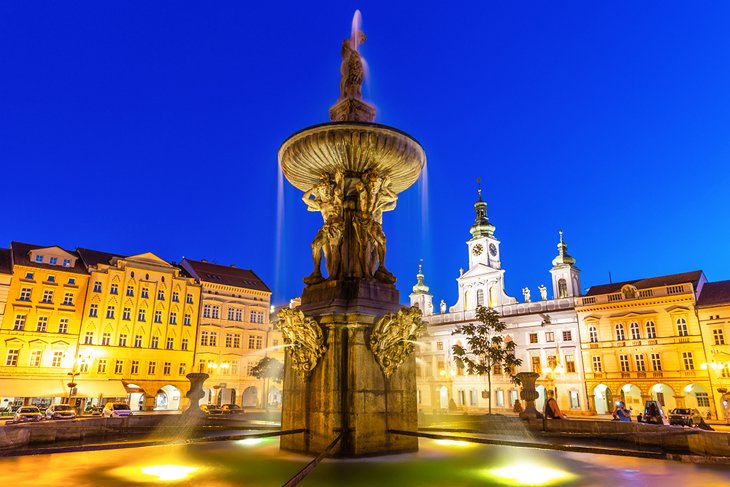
80	364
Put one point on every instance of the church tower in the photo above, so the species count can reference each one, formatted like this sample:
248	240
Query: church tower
483	283
420	297
566	276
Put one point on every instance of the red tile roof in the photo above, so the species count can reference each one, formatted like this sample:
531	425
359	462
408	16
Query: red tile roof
19	254
714	294
95	257
693	277
222	274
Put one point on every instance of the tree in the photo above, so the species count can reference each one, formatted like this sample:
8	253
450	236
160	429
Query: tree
266	369
486	348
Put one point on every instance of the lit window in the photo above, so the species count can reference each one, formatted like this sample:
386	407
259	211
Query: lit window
682	327
624	362
536	365
549	336
19	323
656	361
533	337
597	365
101	366
569	363
593	334
650	329
63	325
718	336
12	357
259	343
703	399
35	358
620	335
640	365
634	328
689	363
56	360
42	324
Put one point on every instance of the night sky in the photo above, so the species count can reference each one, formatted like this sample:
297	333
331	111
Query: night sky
154	126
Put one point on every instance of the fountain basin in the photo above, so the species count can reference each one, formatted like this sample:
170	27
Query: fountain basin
355	148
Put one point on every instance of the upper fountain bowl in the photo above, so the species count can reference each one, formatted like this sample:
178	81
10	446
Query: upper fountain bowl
353	147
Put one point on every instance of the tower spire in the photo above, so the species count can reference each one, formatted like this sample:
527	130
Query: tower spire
563	257
481	226
420	287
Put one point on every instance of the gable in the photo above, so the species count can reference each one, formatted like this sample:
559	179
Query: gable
148	258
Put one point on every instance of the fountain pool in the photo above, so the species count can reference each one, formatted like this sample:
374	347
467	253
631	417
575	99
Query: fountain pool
258	462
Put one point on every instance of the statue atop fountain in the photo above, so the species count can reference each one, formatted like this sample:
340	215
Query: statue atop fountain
358	376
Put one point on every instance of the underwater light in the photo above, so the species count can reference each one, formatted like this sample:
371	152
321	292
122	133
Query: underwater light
453	443
252	441
168	472
529	474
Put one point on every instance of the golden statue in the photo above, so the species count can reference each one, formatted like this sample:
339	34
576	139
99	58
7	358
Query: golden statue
304	340
392	339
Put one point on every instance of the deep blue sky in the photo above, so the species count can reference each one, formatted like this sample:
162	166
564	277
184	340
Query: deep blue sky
136	126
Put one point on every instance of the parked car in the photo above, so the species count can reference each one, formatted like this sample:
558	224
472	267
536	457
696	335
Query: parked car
94	410
231	409
211	409
60	411
116	410
685	417
653	413
25	414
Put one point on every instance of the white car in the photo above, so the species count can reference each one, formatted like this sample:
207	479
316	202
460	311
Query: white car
116	410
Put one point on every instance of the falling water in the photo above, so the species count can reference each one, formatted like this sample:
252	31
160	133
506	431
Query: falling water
279	230
423	190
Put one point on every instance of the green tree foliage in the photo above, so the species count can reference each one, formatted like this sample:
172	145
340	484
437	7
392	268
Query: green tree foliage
268	368
486	348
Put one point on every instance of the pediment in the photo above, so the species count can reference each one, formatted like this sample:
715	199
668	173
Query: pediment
148	258
54	251
479	270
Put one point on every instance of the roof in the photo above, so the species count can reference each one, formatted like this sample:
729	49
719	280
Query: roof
19	255
693	277
223	274
6	266
93	258
714	294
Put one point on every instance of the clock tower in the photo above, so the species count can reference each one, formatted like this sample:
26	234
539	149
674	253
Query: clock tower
483	246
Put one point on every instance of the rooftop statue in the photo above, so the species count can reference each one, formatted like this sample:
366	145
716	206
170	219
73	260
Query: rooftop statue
352	68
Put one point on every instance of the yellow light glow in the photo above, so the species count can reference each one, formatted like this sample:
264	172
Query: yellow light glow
169	472
453	443
251	441
529	474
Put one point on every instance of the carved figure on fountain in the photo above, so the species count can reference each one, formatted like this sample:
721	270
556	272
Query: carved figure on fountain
304	340
392	339
328	198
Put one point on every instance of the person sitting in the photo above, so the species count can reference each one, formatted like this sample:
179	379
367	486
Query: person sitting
552	410
621	413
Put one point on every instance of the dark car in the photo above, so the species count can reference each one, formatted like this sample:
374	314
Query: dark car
60	411
231	409
685	417
653	413
27	413
211	410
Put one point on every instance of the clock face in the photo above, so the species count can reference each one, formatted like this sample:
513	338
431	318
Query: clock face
493	249
477	249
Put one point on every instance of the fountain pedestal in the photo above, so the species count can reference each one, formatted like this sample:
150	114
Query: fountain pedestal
528	394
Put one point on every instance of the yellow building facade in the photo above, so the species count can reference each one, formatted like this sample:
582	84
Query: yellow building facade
138	329
234	335
41	322
713	311
641	340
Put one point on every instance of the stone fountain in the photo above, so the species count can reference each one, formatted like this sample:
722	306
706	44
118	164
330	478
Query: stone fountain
350	368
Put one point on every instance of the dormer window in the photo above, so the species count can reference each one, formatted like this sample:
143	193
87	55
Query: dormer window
39	258
67	262
53	261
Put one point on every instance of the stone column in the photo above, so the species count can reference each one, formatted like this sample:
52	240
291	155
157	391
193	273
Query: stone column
528	394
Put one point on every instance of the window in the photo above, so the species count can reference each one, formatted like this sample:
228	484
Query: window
216	310
689	362
536	366
161	295
110	312
204	336
24	294
118	367
84	366
620	335
29	275
175	297
173	318
56	359
19	323
234	367
656	361
623	361
141	314
93	310
640	365
68	299
213	338
597	366
130	291
206	311
123	340
229	340
260	316
259	342
533	337
151	368
39	258
170	343
71	281
500	398
480	297
562	288
145	293
166	368
135	367
114	289
63	325
549	336
201	366
53	260
137	341
67	263
252	317
101	366
650	329
703	399
593	334
127	314
97	287
189	298
184	344
47	296
569	363
249	368
682	327
12	357
230	313
155	342
35	358
236	341
574	400
634	328
89	338
239	314
158	316
186	319
718	336
106	338
439	345
473	398
567	336
51	278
